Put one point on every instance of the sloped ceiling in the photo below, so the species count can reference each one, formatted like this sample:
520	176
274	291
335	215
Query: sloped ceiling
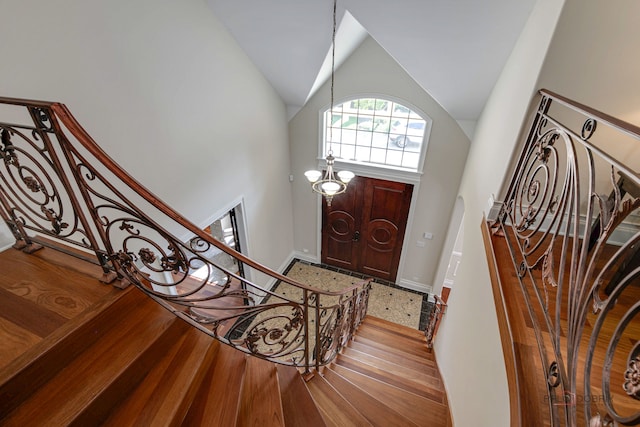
454	49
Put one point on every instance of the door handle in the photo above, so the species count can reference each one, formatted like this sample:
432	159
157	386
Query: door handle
356	236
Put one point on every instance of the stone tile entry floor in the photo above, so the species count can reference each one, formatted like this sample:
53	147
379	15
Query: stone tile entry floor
386	300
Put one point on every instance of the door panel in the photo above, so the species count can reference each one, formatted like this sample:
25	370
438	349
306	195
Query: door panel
384	219
339	225
364	228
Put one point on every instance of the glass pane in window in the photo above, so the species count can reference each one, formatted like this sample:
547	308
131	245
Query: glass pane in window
400	110
363	154
348	152
394	158
334	135
349	136
378	155
413	146
363	138
365	123
379	140
337	150
410	160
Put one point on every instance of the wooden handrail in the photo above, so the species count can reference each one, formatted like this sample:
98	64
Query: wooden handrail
58	183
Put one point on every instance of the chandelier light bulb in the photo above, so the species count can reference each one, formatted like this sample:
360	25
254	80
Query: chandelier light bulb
346	176
330	187
313	175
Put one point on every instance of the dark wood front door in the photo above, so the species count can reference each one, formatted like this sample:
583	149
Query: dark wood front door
363	229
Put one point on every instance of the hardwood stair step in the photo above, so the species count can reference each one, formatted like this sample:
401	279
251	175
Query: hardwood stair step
335	409
396	328
427	375
219	393
44	360
125	414
169	388
419	364
376	411
122	353
408	345
260	403
420	410
300	410
425	390
417	356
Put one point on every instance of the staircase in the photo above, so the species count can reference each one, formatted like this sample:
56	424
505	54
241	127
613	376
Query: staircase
125	360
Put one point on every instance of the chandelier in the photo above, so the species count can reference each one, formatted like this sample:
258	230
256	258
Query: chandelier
327	184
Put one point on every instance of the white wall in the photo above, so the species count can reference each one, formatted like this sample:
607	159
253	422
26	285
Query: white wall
370	70
454	242
594	57
165	90
468	345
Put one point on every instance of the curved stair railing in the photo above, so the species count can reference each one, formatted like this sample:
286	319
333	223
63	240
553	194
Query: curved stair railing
59	189
571	223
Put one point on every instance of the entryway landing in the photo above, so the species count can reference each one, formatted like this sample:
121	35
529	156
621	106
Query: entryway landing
387	300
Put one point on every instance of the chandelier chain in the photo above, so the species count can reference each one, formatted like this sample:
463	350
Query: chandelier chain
333	65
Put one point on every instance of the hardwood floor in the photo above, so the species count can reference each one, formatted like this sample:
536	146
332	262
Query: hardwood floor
39	294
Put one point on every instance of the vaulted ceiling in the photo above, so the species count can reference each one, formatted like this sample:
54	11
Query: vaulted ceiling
454	49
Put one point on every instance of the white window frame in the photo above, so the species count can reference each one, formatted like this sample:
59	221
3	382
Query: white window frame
375	170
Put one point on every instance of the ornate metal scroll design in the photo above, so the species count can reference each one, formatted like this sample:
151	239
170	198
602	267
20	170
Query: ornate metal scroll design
58	182
31	194
632	375
36	194
579	282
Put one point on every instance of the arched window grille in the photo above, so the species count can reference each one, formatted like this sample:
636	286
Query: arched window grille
377	131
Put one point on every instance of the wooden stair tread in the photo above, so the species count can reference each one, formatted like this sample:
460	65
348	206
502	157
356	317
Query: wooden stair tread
298	405
408	345
220	391
396	328
126	413
378	414
34	317
41	362
419	356
335	409
420	364
420	410
426	375
260	396
171	384
95	369
416	387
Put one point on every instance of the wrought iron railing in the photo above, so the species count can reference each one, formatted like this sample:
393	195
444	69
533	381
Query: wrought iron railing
438	310
58	188
571	221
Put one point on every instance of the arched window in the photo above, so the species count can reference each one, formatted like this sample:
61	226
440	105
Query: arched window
377	131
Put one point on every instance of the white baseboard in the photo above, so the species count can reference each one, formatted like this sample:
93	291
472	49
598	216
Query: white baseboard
415	286
305	257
